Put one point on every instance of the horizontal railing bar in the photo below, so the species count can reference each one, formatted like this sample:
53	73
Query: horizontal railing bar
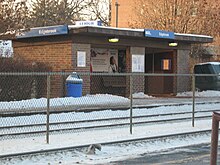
106	125
108	119
99	74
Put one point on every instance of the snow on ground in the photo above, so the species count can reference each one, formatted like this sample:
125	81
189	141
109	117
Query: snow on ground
89	100
208	93
98	136
141	95
78	116
109	152
98	100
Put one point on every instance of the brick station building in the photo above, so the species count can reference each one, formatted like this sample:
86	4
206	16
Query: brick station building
80	48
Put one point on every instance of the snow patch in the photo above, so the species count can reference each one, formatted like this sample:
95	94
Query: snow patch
88	101
208	93
109	153
141	95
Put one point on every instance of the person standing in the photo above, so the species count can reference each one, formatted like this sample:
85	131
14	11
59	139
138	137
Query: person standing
113	66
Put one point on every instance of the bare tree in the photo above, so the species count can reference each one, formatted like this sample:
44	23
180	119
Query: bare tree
54	12
99	10
13	15
184	16
70	10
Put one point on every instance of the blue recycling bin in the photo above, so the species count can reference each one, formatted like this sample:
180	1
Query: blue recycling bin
74	85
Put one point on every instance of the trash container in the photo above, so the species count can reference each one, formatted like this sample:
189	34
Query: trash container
74	85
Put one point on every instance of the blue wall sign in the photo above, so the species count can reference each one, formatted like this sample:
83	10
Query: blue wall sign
158	34
44	31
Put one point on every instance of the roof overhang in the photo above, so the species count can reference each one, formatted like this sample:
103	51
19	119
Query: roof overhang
135	33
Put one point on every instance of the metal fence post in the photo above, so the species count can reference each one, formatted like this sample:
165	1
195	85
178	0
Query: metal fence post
131	102
48	109
193	103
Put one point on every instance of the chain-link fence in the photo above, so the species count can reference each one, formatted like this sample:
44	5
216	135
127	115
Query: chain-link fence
39	104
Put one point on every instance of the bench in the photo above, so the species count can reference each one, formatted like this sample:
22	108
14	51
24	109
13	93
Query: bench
114	81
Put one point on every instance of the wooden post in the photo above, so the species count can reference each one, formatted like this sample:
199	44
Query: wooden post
214	141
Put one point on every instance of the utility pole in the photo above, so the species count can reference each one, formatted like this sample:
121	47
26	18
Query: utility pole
116	14
44	13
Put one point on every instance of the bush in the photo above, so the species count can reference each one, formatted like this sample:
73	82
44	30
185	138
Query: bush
21	87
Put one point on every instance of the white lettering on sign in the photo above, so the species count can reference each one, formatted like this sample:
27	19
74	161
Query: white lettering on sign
164	34
88	23
47	31
147	32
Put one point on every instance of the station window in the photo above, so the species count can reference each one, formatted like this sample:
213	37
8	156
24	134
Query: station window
166	64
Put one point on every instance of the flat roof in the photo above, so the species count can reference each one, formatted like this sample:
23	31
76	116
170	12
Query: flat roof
112	31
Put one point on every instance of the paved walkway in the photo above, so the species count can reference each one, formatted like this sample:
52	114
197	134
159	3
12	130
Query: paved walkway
190	155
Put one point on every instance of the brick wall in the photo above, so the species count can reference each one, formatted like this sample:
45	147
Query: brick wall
57	55
128	70
183	67
125	13
138	81
86	79
60	56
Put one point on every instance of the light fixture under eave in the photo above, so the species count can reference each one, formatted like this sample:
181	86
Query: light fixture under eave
113	39
173	44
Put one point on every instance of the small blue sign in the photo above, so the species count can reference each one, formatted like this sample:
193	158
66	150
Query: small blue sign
158	34
44	31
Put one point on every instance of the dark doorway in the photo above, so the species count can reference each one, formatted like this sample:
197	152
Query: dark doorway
122	61
159	63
